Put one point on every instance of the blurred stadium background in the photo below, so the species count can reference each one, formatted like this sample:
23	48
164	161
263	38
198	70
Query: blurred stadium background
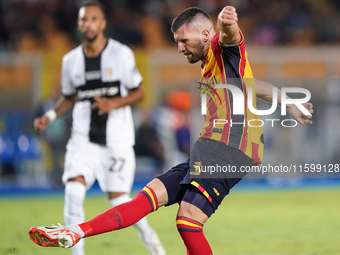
288	42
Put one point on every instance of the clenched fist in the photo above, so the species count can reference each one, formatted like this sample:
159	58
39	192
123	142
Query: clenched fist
41	123
228	16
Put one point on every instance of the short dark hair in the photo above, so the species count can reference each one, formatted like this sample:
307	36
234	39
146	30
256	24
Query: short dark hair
93	3
187	16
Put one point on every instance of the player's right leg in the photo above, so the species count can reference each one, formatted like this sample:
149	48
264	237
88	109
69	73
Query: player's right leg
81	161
148	200
190	220
75	191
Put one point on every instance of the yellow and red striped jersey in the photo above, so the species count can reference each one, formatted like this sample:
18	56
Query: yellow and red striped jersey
228	64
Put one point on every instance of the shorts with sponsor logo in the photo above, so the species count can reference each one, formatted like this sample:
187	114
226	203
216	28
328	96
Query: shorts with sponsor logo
112	167
213	185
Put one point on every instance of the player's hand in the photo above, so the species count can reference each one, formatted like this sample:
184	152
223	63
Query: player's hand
228	16
104	105
299	116
41	123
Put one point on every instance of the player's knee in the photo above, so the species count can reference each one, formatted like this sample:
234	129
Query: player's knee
161	193
74	199
79	179
191	211
186	210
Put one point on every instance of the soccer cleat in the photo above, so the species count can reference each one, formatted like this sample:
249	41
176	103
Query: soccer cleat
55	236
152	243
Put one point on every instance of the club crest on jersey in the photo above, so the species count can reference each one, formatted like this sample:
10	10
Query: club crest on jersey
197	167
107	72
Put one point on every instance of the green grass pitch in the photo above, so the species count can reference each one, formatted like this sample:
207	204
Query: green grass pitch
286	222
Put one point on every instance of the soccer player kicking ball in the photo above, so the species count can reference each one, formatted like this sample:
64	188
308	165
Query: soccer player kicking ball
223	56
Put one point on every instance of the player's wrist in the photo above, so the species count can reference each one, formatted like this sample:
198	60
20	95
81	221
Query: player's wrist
289	106
116	103
51	115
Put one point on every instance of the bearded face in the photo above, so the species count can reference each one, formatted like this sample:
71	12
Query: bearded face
190	43
91	22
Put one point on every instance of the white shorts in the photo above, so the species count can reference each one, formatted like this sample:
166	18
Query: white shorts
114	168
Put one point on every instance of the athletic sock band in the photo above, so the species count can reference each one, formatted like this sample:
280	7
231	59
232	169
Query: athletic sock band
151	196
187	224
191	232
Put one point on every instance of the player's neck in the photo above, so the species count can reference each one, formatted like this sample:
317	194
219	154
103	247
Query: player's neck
93	49
207	46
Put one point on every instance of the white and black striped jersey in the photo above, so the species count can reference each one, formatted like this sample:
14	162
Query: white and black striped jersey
111	74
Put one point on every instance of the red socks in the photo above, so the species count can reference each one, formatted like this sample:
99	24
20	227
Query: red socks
123	215
191	232
127	214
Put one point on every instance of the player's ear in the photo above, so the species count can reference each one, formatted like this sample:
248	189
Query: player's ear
78	24
104	23
205	35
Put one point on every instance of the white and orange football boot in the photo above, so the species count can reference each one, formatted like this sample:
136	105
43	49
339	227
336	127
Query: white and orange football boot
55	236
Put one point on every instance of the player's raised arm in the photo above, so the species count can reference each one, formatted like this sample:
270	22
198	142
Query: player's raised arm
63	105
264	91
227	25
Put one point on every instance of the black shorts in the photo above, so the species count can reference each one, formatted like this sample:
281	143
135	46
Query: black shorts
214	185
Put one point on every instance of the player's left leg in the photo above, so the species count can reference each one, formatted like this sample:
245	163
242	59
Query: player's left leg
190	219
206	190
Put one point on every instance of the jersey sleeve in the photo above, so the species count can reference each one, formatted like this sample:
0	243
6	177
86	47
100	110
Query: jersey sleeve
132	77
67	88
224	46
